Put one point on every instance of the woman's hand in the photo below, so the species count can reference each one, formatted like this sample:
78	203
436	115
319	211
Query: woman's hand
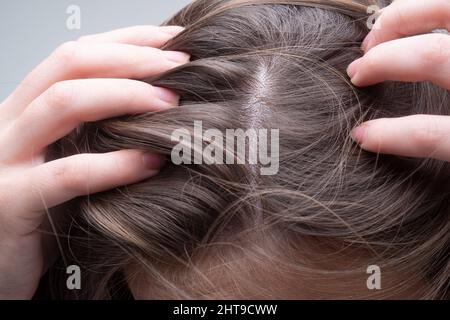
394	51
82	81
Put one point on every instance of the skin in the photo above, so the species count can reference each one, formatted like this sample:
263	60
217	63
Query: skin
82	81
394	51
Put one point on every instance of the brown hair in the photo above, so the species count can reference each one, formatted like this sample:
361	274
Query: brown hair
225	231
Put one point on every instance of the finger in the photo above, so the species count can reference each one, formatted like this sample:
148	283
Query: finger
151	36
66	104
77	60
414	59
407	18
59	181
424	136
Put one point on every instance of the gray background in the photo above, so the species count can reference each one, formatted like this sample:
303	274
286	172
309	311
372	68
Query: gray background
31	29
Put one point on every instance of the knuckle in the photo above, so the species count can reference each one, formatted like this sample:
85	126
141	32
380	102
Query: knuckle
10	184
141	93
372	62
66	53
141	54
60	94
68	176
84	39
427	135
397	17
437	51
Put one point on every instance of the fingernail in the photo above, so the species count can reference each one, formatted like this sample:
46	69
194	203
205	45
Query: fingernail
358	133
153	161
177	57
173	30
167	96
367	41
352	69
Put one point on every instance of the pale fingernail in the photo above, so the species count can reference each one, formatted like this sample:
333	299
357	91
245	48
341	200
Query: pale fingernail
153	161
367	42
358	133
352	69
173	30
167	96
177	57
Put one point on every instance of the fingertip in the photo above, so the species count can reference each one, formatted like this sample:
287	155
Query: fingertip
357	80
353	70
168	97
358	134
373	38
367	42
153	162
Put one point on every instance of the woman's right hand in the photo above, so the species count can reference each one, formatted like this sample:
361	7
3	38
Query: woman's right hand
399	49
82	81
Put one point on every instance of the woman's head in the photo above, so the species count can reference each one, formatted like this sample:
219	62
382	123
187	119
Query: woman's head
309	231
